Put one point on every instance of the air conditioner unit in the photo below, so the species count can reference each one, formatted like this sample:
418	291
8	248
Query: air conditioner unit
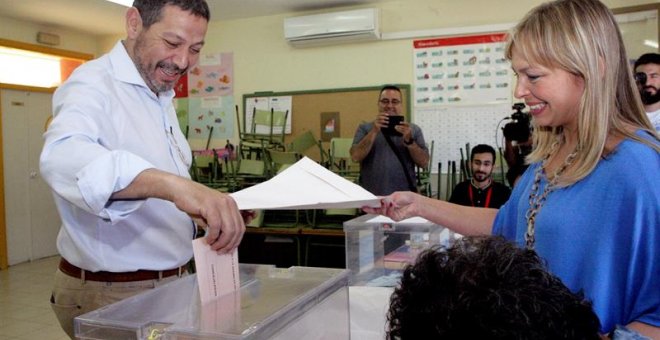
336	27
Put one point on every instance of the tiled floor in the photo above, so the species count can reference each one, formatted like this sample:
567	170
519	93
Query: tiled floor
24	302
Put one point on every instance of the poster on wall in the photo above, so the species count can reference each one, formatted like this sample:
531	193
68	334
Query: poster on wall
211	116
467	70
281	103
212	76
209	101
330	126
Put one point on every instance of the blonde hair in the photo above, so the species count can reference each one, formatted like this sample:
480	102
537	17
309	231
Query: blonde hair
582	38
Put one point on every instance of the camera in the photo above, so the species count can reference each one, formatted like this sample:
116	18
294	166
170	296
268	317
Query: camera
391	124
520	129
640	78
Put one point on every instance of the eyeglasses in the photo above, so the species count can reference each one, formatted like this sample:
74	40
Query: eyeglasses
387	101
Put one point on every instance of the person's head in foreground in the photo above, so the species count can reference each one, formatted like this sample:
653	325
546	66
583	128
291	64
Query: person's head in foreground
486	288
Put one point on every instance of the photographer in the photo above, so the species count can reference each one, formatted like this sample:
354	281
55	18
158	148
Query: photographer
388	154
518	143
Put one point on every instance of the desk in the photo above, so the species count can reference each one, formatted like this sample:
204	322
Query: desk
283	247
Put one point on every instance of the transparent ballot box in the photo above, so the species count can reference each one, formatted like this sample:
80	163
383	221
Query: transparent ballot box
377	249
272	303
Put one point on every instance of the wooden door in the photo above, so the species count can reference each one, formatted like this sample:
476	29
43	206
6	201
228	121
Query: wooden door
31	219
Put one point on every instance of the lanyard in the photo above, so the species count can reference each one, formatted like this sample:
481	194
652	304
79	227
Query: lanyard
488	194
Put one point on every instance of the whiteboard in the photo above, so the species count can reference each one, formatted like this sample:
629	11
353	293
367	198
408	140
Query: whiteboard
450	128
280	103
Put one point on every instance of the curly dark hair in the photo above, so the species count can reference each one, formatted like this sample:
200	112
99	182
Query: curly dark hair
150	10
486	288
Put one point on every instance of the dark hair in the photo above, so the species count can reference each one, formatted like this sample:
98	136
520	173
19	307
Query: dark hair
482	148
150	10
486	288
648	58
515	171
389	87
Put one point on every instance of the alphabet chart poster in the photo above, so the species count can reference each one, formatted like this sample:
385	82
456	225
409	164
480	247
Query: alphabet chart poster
463	92
467	70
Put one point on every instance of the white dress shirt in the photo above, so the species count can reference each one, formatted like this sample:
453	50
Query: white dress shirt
655	119
108	126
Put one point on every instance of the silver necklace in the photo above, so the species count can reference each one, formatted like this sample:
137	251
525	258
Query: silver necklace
536	201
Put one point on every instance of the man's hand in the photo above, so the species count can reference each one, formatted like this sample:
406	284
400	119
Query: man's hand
405	129
215	211
210	208
381	121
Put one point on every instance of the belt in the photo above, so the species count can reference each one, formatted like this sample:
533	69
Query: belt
101	276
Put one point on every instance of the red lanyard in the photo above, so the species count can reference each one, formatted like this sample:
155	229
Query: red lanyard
488	194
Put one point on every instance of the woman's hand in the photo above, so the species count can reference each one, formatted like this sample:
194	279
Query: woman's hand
397	206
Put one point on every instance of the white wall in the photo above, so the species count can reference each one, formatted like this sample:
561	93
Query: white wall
24	31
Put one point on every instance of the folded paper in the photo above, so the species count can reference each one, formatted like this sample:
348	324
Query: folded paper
305	185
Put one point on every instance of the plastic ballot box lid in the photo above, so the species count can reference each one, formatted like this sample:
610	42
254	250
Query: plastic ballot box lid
272	303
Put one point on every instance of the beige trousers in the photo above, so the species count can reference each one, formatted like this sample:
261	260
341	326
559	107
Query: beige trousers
72	296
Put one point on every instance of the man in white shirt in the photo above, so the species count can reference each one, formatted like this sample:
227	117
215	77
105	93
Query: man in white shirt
647	75
117	163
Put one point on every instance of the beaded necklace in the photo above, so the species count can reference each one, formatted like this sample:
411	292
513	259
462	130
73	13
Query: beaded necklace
536	201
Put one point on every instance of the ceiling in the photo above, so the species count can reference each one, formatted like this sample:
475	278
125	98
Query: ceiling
100	17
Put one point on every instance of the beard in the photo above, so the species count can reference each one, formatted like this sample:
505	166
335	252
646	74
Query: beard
148	71
480	177
648	97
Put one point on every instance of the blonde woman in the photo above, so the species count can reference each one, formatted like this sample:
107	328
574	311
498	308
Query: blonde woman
589	203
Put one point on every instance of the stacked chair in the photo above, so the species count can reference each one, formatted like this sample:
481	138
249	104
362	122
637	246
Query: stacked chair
277	162
265	132
307	144
339	162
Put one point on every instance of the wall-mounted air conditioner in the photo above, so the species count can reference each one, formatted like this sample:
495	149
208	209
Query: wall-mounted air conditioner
327	28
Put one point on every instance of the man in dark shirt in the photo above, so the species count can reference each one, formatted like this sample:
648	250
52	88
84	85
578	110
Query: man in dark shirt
481	190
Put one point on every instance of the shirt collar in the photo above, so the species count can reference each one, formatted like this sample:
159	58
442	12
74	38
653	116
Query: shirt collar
472	183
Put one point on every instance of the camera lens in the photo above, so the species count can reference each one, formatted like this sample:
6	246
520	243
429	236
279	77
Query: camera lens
640	78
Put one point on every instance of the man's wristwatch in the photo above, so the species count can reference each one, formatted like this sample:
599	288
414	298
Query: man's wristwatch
408	142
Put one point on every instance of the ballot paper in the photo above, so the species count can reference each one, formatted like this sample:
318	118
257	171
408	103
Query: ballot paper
305	185
217	274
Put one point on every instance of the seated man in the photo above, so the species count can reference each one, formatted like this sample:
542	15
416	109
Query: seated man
481	190
486	288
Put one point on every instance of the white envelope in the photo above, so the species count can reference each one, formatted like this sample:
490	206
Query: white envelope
217	275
